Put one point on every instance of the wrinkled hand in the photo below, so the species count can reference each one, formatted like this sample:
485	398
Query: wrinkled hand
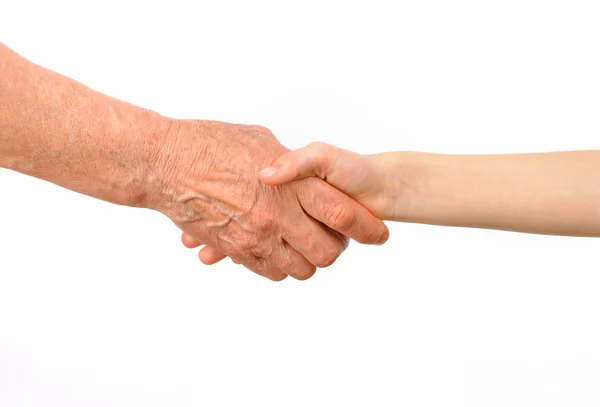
210	189
364	178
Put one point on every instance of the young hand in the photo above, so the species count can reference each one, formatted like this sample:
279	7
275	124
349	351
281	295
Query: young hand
361	177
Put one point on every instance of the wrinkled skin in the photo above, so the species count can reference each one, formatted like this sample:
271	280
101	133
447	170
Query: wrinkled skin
207	184
201	174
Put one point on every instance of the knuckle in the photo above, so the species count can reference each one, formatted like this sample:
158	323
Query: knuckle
327	257
276	276
299	272
264	130
289	268
339	217
319	149
294	266
270	271
305	274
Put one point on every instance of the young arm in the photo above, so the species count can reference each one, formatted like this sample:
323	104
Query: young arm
547	193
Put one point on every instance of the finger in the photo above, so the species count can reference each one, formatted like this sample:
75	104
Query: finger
312	160
271	271
189	241
210	255
263	268
259	266
341	213
314	241
292	263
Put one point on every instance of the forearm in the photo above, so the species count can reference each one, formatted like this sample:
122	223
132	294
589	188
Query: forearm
56	129
549	193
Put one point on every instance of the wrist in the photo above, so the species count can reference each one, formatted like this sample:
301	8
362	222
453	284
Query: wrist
406	184
119	161
159	163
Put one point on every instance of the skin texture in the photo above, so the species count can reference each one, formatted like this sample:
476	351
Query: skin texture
357	173
213	192
201	174
546	193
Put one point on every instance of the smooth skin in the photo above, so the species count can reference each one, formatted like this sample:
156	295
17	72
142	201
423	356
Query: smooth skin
546	193
201	174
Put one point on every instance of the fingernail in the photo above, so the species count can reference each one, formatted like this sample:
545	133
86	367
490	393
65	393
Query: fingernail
383	238
269	172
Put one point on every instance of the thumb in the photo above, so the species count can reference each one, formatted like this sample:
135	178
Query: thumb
312	160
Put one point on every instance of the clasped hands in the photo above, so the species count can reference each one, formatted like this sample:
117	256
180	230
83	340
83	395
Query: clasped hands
239	192
211	188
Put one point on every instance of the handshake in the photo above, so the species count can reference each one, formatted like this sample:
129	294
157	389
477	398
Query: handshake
239	192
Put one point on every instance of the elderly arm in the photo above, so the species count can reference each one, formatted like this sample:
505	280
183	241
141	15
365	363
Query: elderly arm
201	174
56	129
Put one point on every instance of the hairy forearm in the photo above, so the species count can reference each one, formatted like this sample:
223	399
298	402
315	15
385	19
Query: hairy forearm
56	129
549	193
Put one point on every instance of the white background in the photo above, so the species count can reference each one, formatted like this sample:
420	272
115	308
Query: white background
101	306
